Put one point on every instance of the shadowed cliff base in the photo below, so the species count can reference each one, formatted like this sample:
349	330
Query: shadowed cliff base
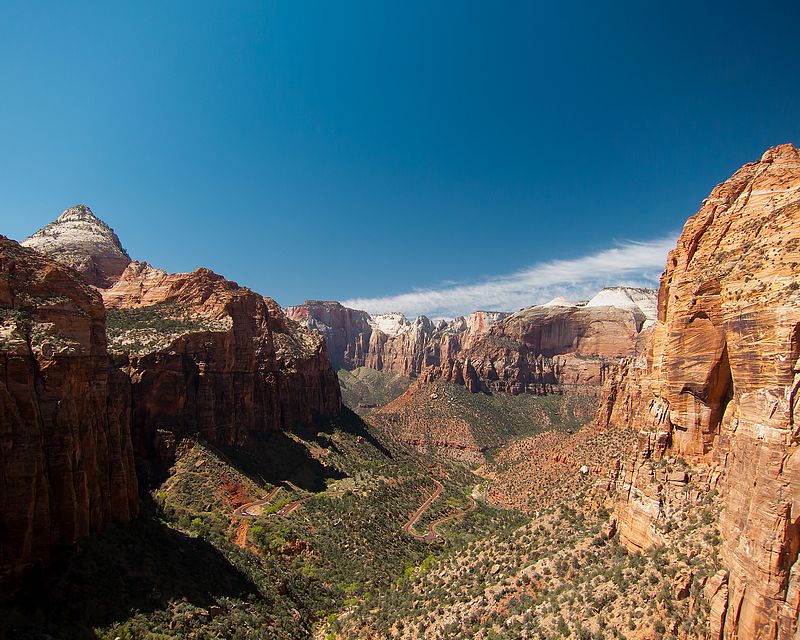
117	574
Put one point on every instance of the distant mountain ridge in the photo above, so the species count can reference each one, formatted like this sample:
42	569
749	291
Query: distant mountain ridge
527	351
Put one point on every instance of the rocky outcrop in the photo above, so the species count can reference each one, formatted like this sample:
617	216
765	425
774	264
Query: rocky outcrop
530	351
718	387
205	355
80	240
66	457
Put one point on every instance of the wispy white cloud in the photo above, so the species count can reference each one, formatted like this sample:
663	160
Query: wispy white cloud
636	264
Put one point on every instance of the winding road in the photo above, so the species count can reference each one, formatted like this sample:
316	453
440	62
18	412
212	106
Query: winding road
408	527
291	507
245	510
432	527
432	535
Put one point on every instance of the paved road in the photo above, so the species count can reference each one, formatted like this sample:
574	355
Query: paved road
291	507
245	510
433	525
408	527
432	535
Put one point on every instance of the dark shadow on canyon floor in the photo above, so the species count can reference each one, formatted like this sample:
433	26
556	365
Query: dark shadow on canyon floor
113	575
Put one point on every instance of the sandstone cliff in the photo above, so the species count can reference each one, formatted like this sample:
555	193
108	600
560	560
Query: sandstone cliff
346	331
66	458
80	240
718	387
531	350
205	355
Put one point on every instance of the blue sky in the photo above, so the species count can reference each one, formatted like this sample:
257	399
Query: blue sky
365	151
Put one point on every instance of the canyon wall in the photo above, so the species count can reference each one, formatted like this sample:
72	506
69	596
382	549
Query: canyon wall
718	385
207	356
347	332
66	456
529	351
98	385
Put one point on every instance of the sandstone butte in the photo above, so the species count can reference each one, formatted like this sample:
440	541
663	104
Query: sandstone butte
718	386
529	351
82	417
66	457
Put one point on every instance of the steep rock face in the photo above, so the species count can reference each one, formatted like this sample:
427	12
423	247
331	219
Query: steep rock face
87	244
719	388
540	346
346	331
206	355
528	351
387	342
66	457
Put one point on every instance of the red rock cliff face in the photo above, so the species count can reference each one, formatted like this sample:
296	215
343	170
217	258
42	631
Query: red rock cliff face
720	388
528	351
66	457
215	358
346	331
538	347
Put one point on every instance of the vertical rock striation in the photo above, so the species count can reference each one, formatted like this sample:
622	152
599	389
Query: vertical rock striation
529	351
207	356
719	387
66	457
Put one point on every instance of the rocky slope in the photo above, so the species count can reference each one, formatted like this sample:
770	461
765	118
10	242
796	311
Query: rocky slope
447	420
80	240
528	351
718	388
205	355
66	458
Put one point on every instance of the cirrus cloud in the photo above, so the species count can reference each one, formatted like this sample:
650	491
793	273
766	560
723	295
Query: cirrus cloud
636	264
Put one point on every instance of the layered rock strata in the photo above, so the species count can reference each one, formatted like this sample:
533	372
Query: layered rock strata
530	351
205	355
719	388
66	456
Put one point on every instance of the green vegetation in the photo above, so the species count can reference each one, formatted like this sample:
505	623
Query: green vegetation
558	575
181	571
143	329
364	389
481	422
